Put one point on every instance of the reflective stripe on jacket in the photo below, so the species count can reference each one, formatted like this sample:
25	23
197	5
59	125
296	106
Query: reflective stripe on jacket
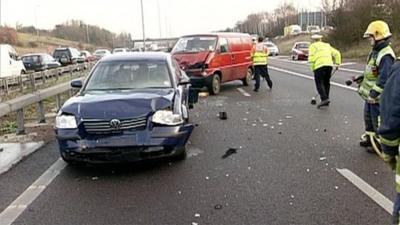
260	54
322	54
371	73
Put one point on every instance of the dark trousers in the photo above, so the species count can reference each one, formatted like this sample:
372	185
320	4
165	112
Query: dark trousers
371	114
261	71
322	77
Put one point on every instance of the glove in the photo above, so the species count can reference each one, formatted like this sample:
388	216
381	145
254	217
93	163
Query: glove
396	209
371	100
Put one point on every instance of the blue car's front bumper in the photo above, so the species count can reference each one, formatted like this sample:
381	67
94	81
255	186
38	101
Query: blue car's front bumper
123	147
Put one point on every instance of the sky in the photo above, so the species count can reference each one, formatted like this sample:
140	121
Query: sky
163	18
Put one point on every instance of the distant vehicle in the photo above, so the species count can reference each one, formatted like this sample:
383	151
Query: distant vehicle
120	50
212	59
100	53
10	63
68	56
132	107
87	56
300	51
272	48
136	50
313	29
254	38
39	62
292	30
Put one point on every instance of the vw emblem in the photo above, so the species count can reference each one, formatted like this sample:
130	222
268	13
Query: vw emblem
115	124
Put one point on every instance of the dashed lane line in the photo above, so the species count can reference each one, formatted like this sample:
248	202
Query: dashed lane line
375	195
243	92
310	78
17	207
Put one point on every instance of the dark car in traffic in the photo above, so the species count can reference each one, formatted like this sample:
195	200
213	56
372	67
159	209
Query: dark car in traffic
68	56
131	107
300	51
39	62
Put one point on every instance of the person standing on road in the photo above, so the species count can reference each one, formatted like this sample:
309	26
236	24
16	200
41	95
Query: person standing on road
321	57
374	78
389	129
260	62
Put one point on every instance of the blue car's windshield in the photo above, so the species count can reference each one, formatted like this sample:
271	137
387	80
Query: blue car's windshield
129	75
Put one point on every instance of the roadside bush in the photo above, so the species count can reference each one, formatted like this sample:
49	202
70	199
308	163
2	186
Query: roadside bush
8	35
33	44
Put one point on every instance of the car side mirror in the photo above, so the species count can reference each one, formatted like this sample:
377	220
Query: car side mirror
76	84
184	81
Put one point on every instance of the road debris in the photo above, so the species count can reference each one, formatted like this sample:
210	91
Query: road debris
223	115
289	117
229	152
218	206
207	178
197	215
322	158
95	178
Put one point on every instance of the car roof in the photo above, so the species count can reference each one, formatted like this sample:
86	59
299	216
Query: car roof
34	54
220	34
137	56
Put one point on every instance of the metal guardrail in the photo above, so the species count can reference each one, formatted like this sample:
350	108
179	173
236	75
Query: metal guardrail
13	84
37	97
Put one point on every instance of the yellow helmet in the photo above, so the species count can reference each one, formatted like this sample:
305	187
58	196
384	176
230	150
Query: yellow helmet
378	29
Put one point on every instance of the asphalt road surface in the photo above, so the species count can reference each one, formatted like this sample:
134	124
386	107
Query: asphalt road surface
289	167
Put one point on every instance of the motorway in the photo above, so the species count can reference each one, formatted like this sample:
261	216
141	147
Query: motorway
291	166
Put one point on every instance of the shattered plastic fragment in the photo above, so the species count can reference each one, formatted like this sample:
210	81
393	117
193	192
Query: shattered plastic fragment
316	130
227	175
207	178
197	215
289	117
336	187
95	178
229	152
218	206
292	196
376	173
322	158
272	127
308	170
280	123
193	223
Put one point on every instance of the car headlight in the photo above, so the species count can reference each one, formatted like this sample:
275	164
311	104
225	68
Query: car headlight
167	117
66	122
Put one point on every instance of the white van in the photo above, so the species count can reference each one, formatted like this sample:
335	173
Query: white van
10	63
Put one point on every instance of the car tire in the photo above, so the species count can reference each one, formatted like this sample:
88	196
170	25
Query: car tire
215	86
293	57
181	155
249	76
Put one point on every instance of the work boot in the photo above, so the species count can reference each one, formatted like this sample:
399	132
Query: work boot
323	103
370	149
255	90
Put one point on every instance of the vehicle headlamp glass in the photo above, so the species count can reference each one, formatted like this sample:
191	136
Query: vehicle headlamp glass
167	117
66	122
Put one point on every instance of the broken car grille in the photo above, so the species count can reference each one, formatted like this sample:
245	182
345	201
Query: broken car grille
114	125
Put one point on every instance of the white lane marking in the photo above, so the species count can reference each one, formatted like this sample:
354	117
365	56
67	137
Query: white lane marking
348	64
310	78
350	70
305	62
15	209
243	92
375	195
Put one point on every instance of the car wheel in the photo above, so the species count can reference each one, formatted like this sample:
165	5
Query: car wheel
181	155
215	86
249	75
292	57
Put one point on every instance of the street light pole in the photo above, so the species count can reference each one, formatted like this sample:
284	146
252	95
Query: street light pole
144	37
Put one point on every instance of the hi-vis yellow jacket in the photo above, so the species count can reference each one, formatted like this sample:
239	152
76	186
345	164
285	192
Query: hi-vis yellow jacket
322	54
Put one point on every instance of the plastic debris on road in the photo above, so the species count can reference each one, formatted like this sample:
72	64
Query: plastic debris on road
322	158
197	215
218	206
95	178
223	115
229	152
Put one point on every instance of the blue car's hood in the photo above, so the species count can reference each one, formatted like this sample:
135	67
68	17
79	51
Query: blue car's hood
118	105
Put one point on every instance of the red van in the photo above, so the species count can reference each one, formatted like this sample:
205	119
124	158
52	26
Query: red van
212	59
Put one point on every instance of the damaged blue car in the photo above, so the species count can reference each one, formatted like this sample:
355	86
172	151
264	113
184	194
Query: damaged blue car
131	107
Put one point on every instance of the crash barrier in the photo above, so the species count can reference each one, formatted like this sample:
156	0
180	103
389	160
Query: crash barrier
37	97
31	81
